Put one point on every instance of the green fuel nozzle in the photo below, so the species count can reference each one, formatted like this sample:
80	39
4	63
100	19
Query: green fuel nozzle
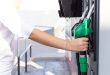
82	29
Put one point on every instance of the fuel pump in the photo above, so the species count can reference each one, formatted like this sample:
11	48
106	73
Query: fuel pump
82	29
87	26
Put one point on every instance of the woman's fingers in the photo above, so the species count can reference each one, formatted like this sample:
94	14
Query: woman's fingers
83	44
79	44
85	39
85	47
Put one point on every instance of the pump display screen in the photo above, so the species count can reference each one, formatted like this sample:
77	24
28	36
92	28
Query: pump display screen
70	8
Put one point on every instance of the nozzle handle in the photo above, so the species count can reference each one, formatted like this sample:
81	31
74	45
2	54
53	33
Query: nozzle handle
90	11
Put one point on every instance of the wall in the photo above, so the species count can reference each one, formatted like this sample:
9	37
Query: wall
104	38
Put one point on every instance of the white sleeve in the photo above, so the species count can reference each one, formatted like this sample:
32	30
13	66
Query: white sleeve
26	30
26	26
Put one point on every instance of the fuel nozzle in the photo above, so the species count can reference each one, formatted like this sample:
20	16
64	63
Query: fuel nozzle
82	29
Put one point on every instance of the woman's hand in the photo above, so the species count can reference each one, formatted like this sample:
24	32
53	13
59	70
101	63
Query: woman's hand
79	44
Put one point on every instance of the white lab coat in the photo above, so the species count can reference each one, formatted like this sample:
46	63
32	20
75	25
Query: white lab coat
9	28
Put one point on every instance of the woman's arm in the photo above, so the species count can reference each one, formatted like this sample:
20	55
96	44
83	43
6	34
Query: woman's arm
79	44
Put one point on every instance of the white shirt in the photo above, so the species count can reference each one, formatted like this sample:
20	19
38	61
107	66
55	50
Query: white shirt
6	37
9	27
